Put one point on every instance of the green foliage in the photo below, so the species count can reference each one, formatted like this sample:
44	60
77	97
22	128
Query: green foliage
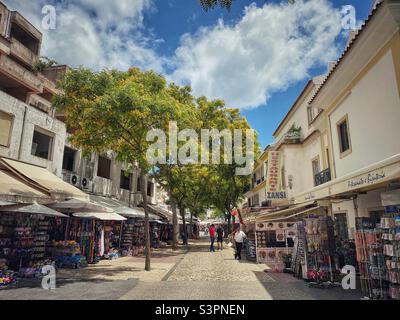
43	63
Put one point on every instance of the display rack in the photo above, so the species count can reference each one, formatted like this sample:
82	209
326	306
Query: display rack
378	255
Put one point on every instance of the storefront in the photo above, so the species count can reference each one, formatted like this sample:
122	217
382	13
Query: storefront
24	240
378	249
302	236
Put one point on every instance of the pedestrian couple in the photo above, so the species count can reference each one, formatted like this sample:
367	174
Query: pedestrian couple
220	237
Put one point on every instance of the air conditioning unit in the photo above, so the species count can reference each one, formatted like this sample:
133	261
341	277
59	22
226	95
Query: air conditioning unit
86	183
75	180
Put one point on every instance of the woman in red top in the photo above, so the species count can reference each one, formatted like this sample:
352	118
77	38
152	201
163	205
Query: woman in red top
212	238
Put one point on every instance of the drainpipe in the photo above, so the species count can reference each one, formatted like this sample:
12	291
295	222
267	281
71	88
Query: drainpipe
22	134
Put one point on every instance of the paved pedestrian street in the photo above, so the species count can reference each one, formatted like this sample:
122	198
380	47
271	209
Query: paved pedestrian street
194	274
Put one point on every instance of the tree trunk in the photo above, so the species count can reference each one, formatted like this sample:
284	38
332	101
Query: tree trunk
175	224
182	212
191	225
228	218
146	221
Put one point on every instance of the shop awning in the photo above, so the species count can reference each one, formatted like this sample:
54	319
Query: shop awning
295	214
285	212
166	214
105	216
117	206
43	179
34	208
161	213
78	205
6	203
15	188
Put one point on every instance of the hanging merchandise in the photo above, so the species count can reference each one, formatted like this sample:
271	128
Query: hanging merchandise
274	243
378	255
132	243
320	247
298	265
23	240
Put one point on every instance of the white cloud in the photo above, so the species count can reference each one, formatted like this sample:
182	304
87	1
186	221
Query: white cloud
96	33
269	49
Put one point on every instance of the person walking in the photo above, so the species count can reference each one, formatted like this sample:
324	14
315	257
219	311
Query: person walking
212	237
220	237
238	236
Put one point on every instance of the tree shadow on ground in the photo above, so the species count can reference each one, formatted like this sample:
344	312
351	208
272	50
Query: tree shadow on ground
286	287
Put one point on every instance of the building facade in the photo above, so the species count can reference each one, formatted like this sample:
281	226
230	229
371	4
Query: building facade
339	145
31	130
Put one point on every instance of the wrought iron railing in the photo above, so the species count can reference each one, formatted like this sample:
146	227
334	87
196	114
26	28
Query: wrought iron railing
322	177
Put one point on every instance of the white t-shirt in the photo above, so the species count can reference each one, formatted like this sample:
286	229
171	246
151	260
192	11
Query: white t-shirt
239	236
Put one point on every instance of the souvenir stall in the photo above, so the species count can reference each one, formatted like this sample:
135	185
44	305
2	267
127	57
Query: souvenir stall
378	253
24	236
77	247
274	242
132	240
112	239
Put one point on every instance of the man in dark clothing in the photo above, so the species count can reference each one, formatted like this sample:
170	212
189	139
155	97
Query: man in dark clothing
220	237
212	238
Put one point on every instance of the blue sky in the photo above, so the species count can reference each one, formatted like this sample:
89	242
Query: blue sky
257	57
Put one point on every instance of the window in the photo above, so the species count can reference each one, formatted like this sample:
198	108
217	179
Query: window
125	182
315	168
312	114
344	136
139	184
68	159
104	168
256	200
309	114
150	189
24	38
42	144
6	121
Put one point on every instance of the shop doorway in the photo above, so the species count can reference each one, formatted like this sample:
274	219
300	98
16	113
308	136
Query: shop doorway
376	216
341	227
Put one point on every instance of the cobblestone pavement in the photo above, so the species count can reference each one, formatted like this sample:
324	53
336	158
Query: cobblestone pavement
195	275
204	275
108	279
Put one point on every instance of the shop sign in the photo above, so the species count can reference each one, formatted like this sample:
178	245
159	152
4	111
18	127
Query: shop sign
274	189
368	179
277	195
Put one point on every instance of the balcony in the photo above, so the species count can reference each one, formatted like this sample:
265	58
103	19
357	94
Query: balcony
22	53
40	103
18	73
322	177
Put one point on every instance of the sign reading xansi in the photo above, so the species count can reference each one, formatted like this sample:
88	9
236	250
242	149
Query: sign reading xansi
276	195
274	185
